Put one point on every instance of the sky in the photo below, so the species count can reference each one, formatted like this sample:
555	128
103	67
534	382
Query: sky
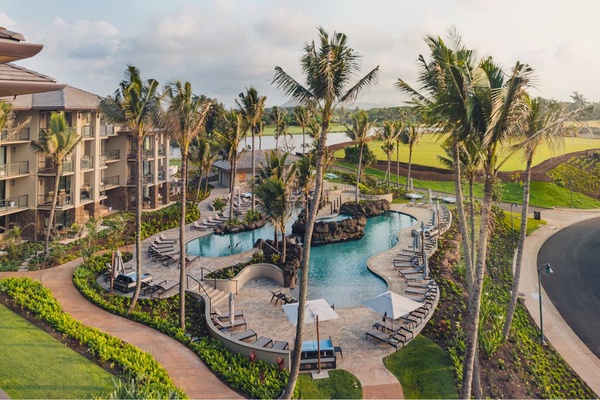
224	46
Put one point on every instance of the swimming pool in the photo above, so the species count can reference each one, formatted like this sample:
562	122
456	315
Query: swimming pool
338	272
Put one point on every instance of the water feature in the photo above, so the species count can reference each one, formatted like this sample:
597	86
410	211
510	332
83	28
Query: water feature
338	272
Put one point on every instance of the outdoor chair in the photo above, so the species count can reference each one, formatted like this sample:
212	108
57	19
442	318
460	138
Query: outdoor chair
225	324
197	225
263	342
150	287
384	337
225	315
164	288
279	345
244	335
163	238
277	295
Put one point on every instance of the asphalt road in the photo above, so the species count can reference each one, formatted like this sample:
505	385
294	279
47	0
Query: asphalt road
574	287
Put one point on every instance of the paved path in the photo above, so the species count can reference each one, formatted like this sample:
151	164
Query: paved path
556	330
183	366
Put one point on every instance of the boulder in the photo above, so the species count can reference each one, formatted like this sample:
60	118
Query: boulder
366	208
293	257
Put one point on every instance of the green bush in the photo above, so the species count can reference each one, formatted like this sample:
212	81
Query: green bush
36	299
218	204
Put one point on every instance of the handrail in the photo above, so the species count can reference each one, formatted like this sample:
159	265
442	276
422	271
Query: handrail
215	279
199	285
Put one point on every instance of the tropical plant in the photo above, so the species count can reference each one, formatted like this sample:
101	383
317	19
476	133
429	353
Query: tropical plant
184	120
303	116
545	124
252	108
201	155
388	133
8	129
305	178
329	70
134	105
277	115
359	134
410	135
230	141
58	142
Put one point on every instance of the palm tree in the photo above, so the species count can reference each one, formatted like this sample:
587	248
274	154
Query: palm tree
200	154
185	119
359	133
544	125
231	139
278	116
274	166
134	105
389	133
410	135
56	143
252	107
303	115
328	71
8	128
305	180
274	193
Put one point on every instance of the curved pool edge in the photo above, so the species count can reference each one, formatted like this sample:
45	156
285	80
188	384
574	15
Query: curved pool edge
375	262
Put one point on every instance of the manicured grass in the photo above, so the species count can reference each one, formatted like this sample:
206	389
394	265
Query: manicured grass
543	194
295	129
428	149
37	366
532	224
424	370
340	385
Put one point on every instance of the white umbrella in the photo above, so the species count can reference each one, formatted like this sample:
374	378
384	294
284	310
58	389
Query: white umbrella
315	311
430	196
119	266
416	239
425	266
392	305
231	309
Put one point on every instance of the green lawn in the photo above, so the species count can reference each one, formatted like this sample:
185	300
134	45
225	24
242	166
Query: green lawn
340	385
543	194
295	129
424	370
532	224
428	149
36	366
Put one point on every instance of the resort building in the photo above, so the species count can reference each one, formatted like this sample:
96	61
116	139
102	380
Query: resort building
99	175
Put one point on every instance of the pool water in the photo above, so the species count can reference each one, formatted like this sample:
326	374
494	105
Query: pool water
337	272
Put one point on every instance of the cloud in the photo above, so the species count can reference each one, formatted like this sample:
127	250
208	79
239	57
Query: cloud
6	21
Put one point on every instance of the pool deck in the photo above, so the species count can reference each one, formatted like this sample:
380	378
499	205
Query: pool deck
361	357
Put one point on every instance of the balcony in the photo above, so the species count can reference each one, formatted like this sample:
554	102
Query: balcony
107	130
148	178
48	167
14	169
110	182
131	154
131	179
87	131
161	175
86	162
86	193
63	199
161	150
148	153
23	134
13	204
112	155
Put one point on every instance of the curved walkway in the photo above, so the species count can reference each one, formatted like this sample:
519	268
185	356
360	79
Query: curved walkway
183	366
556	330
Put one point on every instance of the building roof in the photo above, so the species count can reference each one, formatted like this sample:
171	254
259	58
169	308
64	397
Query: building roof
13	46
15	80
245	161
67	98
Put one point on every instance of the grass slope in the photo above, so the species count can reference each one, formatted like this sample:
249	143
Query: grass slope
340	385
424	370
37	366
428	149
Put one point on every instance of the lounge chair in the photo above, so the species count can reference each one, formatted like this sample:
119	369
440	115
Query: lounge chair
384	337
163	238
197	225
150	287
164	288
279	345
277	295
263	342
244	335
224	323
220	315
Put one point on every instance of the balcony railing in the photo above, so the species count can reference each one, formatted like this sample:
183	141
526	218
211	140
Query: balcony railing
148	153
14	169
13	203
161	175
149	178
131	154
112	155
131	179
62	200
48	166
87	130
110	181
161	150
106	130
23	134
86	193
87	162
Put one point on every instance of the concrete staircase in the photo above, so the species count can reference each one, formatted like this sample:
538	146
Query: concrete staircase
217	297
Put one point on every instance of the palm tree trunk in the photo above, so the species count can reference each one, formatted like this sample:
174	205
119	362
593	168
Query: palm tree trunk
182	273
398	163
389	169
410	149
472	218
253	169
460	211
199	183
304	265
232	183
52	209
283	243
519	261
206	184
360	154
475	295
303	140
138	223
